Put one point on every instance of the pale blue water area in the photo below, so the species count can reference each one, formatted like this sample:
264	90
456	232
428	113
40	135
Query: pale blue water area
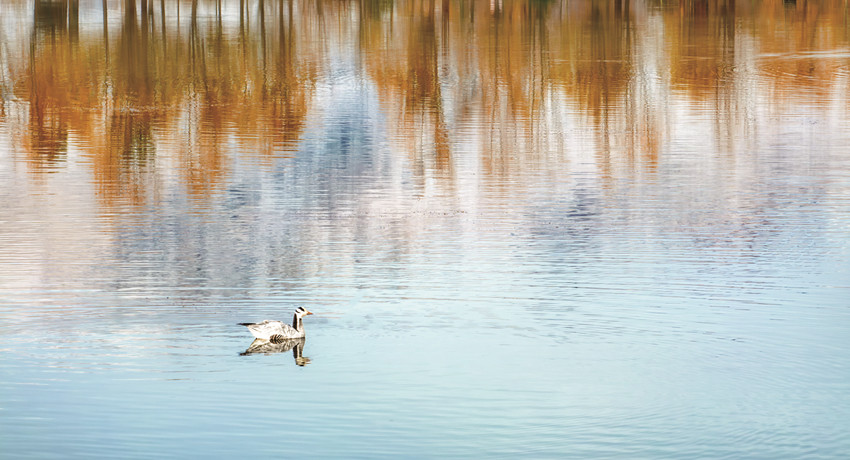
556	298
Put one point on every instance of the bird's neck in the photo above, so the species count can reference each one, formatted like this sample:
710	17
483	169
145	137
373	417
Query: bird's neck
297	324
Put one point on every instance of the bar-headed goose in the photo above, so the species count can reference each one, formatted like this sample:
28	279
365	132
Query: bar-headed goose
277	331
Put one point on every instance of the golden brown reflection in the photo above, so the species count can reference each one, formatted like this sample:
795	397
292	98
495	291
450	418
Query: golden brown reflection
179	83
167	77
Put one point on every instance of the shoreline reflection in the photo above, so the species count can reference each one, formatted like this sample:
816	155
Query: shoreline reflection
191	90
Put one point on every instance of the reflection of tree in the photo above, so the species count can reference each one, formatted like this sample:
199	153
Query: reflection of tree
703	42
514	69
48	139
706	60
160	86
401	49
158	78
791	31
703	49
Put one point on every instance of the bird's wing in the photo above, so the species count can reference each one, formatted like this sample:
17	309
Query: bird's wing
267	328
287	331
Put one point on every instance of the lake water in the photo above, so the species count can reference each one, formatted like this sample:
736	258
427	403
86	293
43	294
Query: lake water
579	229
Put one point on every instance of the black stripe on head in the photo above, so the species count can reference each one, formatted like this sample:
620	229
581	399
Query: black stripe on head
301	309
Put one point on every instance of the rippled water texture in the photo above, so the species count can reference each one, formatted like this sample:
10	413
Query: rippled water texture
578	229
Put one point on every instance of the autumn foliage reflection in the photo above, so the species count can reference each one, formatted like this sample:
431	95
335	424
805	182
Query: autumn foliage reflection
171	82
184	81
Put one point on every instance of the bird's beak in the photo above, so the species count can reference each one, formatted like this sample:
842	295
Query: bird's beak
309	313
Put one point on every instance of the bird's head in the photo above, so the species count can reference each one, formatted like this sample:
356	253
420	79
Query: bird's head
301	312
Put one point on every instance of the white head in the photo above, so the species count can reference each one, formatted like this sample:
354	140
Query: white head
300	312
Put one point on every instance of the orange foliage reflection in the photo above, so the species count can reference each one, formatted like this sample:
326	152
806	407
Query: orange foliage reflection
179	82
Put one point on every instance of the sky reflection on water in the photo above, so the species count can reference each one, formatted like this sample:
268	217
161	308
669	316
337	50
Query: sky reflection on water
578	229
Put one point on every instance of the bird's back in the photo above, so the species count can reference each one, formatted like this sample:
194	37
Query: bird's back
269	329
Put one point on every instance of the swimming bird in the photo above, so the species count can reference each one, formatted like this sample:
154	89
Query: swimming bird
276	331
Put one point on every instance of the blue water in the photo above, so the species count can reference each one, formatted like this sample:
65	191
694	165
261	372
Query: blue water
533	294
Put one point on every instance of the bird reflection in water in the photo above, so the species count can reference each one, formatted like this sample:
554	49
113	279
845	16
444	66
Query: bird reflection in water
268	347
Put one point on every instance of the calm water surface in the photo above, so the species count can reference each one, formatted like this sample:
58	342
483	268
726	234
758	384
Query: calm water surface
542	230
